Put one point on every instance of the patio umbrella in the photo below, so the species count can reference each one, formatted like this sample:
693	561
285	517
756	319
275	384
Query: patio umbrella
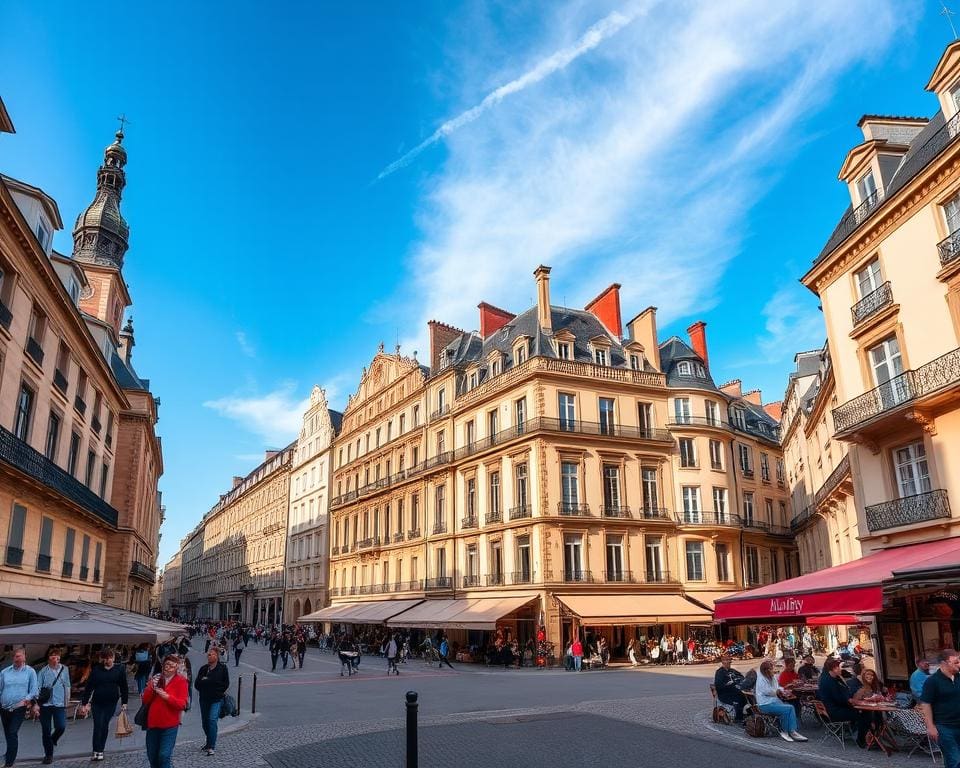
80	629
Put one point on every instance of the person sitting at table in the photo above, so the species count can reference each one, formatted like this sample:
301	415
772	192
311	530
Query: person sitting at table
919	676
727	682
835	694
808	672
788	678
871	689
770	697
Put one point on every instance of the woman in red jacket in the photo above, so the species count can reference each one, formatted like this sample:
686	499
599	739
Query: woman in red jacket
166	696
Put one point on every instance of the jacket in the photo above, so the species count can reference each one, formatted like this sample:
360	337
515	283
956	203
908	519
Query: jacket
165	713
727	681
106	686
834	694
212	684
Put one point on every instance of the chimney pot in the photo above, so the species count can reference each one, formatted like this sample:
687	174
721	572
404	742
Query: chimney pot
698	340
542	275
606	308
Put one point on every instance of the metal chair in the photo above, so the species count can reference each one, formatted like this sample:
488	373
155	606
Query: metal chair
770	721
730	709
908	726
836	728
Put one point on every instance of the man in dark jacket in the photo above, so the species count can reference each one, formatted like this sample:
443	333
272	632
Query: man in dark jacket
727	682
274	651
835	694
213	681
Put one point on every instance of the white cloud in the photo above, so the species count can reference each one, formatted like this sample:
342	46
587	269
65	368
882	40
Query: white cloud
636	162
792	323
245	346
276	417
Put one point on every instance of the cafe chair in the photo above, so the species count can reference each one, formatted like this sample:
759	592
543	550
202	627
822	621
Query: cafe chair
836	728
909	728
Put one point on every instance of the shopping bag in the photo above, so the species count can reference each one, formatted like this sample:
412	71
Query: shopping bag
124	726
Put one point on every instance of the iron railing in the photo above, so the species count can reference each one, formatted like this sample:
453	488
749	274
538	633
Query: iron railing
521	577
908	386
570	509
439	528
84	572
577	575
469	522
839	472
949	248
708	518
658	577
67	570
471	581
698	421
140	571
654	513
334	550
18	454
521	511
872	303
440	582
933	505
495	580
621	577
14	556
440	412
612	510
43	563
398	537
413	534
493	517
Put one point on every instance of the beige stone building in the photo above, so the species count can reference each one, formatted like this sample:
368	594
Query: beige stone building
191	577
307	525
168	601
552	468
244	546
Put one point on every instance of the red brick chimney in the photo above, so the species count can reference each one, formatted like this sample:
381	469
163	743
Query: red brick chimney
441	334
606	308
754	396
774	410
732	388
492	318
698	340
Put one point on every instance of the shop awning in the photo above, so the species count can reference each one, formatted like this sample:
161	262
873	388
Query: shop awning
707	599
68	609
463	613
369	612
605	610
851	588
841	619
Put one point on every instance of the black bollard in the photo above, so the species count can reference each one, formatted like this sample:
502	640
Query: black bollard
239	689
253	709
412	707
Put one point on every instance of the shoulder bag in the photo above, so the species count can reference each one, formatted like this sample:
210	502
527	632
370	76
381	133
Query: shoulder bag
46	693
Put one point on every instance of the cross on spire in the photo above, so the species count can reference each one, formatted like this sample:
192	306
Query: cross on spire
949	14
123	120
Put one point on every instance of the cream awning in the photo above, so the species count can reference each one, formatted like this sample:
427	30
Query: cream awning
602	610
707	598
464	613
369	612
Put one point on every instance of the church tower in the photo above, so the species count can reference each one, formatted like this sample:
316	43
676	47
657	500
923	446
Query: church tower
100	241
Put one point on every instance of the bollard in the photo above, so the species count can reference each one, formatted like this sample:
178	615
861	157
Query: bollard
412	707
253	709
239	689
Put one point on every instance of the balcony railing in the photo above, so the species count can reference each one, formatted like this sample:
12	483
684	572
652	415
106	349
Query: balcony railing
658	577
520	512
439	528
84	572
471	581
6	316
933	505
620	577
414	533
334	550
440	582
746	472
495	579
522	577
43	563
469	522
14	556
34	350
908	386
872	303
576	575
569	509
707	518
493	517
754	427
949	248
345	549
140	571
440	412
697	421
398	537
840	471
18	454
60	381
609	510
654	513
67	571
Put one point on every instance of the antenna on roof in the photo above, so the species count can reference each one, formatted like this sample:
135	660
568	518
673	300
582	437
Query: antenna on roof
949	14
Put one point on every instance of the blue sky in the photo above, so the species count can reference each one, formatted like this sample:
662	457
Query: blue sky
309	179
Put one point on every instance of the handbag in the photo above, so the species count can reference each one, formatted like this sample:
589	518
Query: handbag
754	726
228	706
46	693
124	728
141	717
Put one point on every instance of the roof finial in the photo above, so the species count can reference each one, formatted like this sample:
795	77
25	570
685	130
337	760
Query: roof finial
949	14
123	121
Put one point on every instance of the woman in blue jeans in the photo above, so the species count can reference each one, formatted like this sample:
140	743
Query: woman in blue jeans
106	686
213	681
52	712
768	693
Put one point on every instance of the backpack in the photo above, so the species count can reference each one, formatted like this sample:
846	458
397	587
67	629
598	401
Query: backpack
721	716
754	726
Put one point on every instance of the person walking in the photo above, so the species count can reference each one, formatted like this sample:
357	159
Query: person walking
301	651
52	707
238	646
577	651
391	653
213	681
141	658
294	651
444	650
284	649
18	689
106	686
274	652
940	706
166	698
632	651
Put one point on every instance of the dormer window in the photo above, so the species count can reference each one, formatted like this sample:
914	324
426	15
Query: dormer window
495	368
43	235
955	96
684	368
520	352
474	380
866	188
564	350
739	418
600	356
635	362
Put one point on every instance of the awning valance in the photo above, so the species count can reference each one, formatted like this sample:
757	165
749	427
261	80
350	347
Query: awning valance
606	610
463	613
368	612
851	588
707	599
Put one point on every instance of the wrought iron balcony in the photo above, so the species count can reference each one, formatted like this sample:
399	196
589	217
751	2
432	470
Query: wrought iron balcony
746	471
34	350
67	570
398	537
84	572
570	509
493	517
949	248
872	303
439	527
654	513
6	316
414	585
522	577
399	586
139	571
469	522
679	421
615	511
658	577
520	512
21	456
345	549
440	412
43	563
14	556
707	518
933	505
413	533
577	575
334	550
60	381
471	581
621	577
494	580
910	385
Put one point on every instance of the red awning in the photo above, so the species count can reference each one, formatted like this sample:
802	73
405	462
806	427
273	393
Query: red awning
851	588
826	621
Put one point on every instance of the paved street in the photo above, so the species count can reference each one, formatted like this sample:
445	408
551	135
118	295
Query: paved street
475	716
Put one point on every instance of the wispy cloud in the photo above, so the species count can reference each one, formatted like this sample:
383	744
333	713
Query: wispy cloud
245	346
792	323
275	417
596	34
637	164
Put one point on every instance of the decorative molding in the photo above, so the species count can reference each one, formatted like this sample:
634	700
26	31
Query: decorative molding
923	419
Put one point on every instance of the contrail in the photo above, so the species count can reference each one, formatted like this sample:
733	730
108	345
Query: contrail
606	27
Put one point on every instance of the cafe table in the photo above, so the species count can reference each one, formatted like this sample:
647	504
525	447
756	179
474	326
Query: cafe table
881	738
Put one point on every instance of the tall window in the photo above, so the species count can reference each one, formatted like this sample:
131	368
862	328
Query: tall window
716	454
688	452
951	209
564	350
524	573
569	484
753	565
496	561
739	418
614	553
600	356
416	415
611	487
694	550
573	557
913	476
568	411
746	459
651	495
713	412
520	485
473	565
606	416
654	558
24	413
441	563
472	498
681	410
470	432
441	400
723	562
691	504
868	279
748	508
866	187
780	471
53	436
887	365
104	472
439	510
441	442
415	512
97	557
520	413
645	418
46	541
18	523
764	467
493	423
635	362
69	543
91	466
768	505
84	557
720	504
493	500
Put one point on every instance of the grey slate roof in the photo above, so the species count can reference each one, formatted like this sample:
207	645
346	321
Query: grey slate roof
126	377
672	351
336	419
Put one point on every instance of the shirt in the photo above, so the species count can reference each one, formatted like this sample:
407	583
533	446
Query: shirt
17	685
60	686
766	691
787	677
917	679
943	696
